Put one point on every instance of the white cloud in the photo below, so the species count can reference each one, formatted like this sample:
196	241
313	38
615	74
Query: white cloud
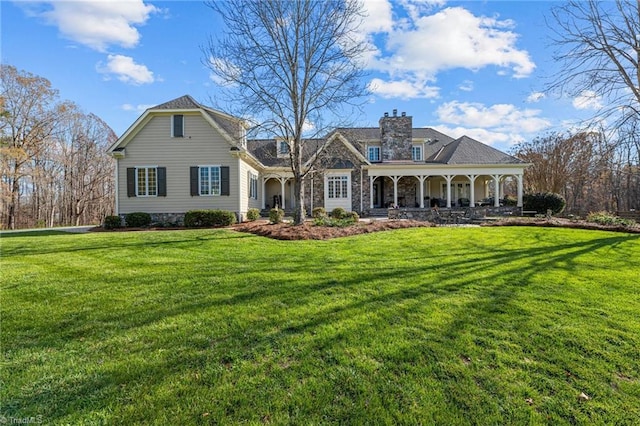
126	70
487	136
466	86
496	124
403	89
588	100
535	97
423	44
500	116
378	16
98	24
140	108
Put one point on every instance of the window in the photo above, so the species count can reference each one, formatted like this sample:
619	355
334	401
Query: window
283	148
146	181
177	126
416	153
338	187
253	186
374	154
209	182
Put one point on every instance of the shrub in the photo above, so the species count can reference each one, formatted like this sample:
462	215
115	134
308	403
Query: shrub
348	219
606	218
276	215
354	216
253	214
208	218
510	201
112	222
137	220
338	213
541	202
319	212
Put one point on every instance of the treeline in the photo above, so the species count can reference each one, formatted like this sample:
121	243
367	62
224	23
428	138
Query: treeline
593	171
55	171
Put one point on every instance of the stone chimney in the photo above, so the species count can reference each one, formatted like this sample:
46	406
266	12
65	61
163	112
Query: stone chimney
395	135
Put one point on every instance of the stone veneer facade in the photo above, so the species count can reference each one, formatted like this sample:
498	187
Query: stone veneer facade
396	136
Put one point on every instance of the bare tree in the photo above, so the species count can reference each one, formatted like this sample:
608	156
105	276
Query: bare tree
28	120
598	49
291	66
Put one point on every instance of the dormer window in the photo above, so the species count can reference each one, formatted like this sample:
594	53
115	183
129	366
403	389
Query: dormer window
374	154
416	153
283	149
177	126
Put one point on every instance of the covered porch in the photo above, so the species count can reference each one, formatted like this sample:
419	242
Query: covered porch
429	186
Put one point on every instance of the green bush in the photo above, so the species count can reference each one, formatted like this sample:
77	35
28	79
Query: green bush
606	218
137	220
354	216
276	215
253	214
208	218
510	201
112	222
319	212
543	201
338	213
348	219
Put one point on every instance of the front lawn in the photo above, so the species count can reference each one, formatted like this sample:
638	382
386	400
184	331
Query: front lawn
417	326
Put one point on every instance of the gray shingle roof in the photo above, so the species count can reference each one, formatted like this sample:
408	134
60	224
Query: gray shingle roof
466	150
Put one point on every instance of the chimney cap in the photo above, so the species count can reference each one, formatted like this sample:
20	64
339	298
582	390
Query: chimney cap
386	114
395	112
404	114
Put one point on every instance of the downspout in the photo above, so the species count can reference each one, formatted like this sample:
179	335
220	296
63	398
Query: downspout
117	186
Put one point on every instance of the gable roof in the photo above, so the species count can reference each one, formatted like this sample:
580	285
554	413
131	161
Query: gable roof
228	126
466	150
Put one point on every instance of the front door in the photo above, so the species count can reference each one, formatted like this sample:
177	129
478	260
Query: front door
378	196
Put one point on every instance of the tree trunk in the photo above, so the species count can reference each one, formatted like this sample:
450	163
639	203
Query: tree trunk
298	189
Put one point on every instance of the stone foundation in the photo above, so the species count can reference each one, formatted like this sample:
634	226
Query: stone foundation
455	215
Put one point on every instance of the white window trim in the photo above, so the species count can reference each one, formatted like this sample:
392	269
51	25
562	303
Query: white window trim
278	151
183	126
147	181
253	181
210	186
420	157
335	177
376	147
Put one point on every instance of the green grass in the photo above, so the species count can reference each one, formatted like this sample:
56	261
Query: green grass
419	326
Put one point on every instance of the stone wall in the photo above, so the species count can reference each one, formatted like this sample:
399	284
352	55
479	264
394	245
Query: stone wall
395	135
453	215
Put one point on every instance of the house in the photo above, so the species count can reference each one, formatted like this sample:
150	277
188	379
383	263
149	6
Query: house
181	156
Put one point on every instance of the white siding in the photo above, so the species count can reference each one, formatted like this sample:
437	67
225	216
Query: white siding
201	145
247	203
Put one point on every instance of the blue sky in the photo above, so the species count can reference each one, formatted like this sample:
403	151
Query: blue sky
476	68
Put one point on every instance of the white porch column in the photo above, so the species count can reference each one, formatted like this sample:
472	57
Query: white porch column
520	190
449	178
282	181
421	179
371	179
395	189
472	196
496	195
264	193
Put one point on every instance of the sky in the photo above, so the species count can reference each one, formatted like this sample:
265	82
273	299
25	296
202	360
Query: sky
475	68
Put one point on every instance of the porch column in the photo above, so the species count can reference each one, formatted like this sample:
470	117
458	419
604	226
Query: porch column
472	196
371	179
282	181
496	195
264	193
421	179
520	179
449	178
395	189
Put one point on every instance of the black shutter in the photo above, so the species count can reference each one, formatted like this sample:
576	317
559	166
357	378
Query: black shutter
131	181
194	181
162	181
224	180
178	126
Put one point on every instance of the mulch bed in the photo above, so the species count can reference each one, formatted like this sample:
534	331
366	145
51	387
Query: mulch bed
308	231
563	223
